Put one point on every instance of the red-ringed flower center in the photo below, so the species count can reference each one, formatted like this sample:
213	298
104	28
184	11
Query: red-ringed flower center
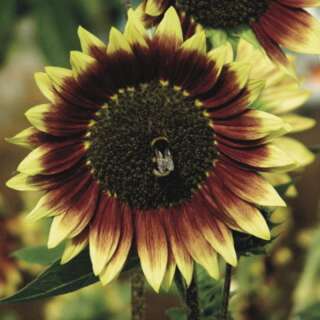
223	14
151	146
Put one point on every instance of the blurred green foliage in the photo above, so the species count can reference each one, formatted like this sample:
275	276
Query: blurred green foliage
56	22
8	16
210	293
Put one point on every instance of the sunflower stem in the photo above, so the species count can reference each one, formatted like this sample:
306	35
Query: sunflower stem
127	4
192	299
226	292
137	296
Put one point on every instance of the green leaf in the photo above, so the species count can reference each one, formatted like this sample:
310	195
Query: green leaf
217	37
60	279
210	294
315	149
56	29
39	254
310	313
57	279
283	188
176	314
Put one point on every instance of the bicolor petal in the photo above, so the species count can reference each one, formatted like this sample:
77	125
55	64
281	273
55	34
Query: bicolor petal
152	247
248	217
258	191
120	256
104	233
89	41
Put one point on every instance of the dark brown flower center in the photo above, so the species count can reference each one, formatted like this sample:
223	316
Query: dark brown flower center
225	14
151	146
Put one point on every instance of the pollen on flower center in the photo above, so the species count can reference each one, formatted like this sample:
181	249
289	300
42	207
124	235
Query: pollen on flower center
151	146
223	14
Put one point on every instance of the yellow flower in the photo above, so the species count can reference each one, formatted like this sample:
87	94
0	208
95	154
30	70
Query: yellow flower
149	143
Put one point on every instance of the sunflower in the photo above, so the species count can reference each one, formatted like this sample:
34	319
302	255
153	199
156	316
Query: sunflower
271	23
282	95
148	146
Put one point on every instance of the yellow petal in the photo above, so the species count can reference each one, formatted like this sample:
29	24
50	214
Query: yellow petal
32	164
170	28
255	87
74	247
104	233
305	37
221	56
134	31
258	191
169	275
223	53
281	99
118	42
80	62
44	84
196	43
242	72
152	247
36	115
88	40
221	239
59	231
198	247
21	182
176	244
268	156
154	7
117	262
23	138
298	123
58	75
245	51
296	150
42	210
246	216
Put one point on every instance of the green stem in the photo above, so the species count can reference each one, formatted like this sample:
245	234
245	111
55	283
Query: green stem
226	292
137	296
192	299
127	4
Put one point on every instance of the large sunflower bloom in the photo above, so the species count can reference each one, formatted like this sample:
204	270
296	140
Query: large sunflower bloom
273	23
148	144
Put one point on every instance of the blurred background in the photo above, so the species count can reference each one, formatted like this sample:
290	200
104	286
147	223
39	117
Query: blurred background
285	284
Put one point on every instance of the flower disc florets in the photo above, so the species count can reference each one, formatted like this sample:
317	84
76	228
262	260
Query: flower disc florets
223	14
123	153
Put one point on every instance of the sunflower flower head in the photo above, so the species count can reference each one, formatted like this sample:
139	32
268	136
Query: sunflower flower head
271	23
149	145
